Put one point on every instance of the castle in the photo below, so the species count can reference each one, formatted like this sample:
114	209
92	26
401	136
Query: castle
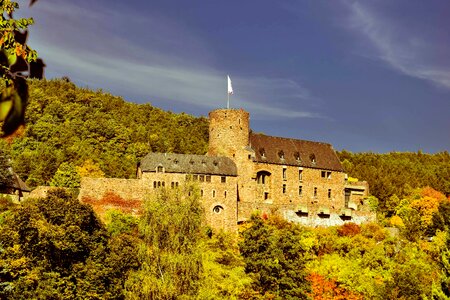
244	172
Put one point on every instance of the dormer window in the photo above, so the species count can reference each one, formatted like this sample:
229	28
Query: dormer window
312	157
191	162
262	152
297	156
281	154
215	163
175	161
159	169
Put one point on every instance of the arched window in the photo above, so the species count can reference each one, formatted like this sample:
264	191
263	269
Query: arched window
262	177
217	209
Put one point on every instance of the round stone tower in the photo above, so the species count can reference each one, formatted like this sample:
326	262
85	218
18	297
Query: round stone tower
228	132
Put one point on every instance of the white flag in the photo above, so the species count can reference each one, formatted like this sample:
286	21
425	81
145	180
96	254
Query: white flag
230	88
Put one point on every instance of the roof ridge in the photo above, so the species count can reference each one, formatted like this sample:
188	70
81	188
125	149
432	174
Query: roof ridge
291	139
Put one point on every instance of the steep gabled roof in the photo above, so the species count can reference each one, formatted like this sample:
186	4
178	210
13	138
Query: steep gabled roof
19	184
277	150
189	164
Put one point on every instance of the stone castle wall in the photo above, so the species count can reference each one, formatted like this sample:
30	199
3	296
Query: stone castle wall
129	189
218	198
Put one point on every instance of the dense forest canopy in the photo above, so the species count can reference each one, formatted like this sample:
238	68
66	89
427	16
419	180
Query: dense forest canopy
396	174
67	124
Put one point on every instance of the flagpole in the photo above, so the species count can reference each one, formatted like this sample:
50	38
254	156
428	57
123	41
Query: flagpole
229	91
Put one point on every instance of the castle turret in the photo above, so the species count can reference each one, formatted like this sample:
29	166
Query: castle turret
228	131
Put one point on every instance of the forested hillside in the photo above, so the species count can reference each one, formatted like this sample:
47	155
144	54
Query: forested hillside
394	175
78	126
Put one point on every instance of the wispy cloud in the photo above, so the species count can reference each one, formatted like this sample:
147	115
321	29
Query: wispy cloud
403	49
199	87
174	64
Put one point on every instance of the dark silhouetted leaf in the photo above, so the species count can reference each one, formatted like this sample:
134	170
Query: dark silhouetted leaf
37	69
16	114
21	37
20	66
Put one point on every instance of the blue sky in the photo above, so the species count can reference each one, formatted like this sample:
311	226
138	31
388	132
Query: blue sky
361	75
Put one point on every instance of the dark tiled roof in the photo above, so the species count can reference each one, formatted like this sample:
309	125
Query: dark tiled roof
270	149
189	164
19	184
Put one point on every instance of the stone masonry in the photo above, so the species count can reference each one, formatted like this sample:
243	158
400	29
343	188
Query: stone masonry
245	172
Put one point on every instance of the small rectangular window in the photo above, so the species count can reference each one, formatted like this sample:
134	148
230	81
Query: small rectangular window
300	190
225	194
284	173
315	192
223	179
195	177
154	184
172	184
284	188
324	174
300	175
202	178
329	193
201	193
208	178
266	195
328	175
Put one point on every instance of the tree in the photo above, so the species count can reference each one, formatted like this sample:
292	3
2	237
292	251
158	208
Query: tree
275	257
223	275
171	228
90	169
6	178
66	176
56	247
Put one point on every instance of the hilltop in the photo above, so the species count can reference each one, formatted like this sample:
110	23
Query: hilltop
69	124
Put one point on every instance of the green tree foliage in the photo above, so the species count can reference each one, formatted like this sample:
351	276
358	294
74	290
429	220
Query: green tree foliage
275	256
66	176
223	274
56	248
118	222
171	229
76	126
6	178
369	262
397	173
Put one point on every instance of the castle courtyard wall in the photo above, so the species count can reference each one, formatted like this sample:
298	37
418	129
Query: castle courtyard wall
218	198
